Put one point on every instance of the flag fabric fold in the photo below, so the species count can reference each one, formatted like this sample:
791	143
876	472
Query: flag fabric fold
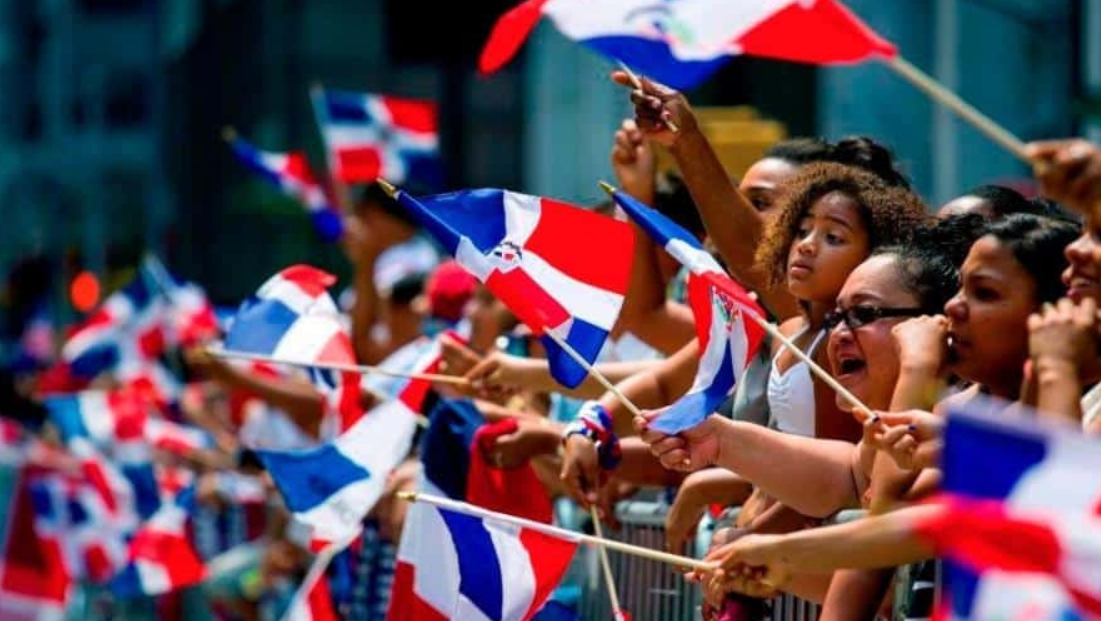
331	488
452	565
728	340
555	266
370	136
290	172
682	43
293	317
1020	527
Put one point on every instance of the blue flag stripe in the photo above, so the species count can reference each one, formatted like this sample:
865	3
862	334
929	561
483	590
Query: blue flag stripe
480	578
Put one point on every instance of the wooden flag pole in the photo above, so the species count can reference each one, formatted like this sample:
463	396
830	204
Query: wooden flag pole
605	382
638	85
925	83
775	333
554	531
613	595
332	366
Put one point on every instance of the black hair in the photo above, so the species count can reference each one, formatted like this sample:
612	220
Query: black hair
407	288
929	260
1003	201
1037	242
801	150
859	151
864	152
672	200
372	195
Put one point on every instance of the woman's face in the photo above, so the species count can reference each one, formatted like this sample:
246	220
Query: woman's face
829	243
761	183
864	359
1083	276
988	333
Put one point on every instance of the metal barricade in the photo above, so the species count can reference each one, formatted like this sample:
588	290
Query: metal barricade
650	590
647	589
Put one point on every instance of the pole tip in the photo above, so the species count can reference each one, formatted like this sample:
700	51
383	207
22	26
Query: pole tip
387	187
229	134
410	496
607	187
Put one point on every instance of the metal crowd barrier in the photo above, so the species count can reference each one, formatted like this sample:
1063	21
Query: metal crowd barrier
650	590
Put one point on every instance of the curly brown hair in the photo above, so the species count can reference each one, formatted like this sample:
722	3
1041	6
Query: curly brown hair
889	213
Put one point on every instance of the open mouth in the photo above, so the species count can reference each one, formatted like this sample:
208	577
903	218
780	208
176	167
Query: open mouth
850	363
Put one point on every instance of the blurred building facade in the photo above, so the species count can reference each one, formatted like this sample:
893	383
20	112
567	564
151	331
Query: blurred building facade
112	110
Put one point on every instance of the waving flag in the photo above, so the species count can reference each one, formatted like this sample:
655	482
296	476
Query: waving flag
728	341
161	555
290	172
131	316
459	566
372	136
682	43
293	317
87	522
34	583
555	266
454	465
333	487
1022	528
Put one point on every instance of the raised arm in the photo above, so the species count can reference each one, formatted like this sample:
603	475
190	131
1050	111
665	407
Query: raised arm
732	222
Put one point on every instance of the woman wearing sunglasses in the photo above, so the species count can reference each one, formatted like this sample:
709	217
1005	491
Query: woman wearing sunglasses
818	477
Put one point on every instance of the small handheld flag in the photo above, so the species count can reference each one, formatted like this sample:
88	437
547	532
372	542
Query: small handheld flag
558	268
728	341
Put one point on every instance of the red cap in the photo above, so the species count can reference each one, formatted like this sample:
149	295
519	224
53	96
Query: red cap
449	288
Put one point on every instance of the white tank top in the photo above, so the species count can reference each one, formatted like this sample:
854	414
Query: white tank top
791	394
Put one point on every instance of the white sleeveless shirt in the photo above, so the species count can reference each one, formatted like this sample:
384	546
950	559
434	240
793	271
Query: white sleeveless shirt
791	394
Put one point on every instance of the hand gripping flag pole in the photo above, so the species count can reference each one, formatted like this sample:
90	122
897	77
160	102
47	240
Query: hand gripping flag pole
554	531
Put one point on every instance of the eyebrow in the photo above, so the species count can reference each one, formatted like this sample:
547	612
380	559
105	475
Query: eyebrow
864	297
840	221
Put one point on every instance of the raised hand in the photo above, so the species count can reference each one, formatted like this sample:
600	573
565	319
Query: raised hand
687	451
1069	171
634	162
656	107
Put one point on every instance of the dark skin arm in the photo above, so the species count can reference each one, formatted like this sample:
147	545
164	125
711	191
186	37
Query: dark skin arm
732	222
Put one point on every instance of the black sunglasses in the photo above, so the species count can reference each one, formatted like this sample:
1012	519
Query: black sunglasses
858	316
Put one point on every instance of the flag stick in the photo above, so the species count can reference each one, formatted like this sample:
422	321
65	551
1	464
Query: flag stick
554	531
966	111
638	85
617	612
320	563
348	368
775	333
605	382
816	368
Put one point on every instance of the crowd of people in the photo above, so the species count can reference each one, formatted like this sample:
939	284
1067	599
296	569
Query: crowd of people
912	308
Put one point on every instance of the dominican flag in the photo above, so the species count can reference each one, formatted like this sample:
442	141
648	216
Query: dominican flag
290	172
108	419
89	522
371	136
728	340
332	488
455	466
557	267
34	582
471	565
682	43
131	316
292	317
161	556
1022	525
